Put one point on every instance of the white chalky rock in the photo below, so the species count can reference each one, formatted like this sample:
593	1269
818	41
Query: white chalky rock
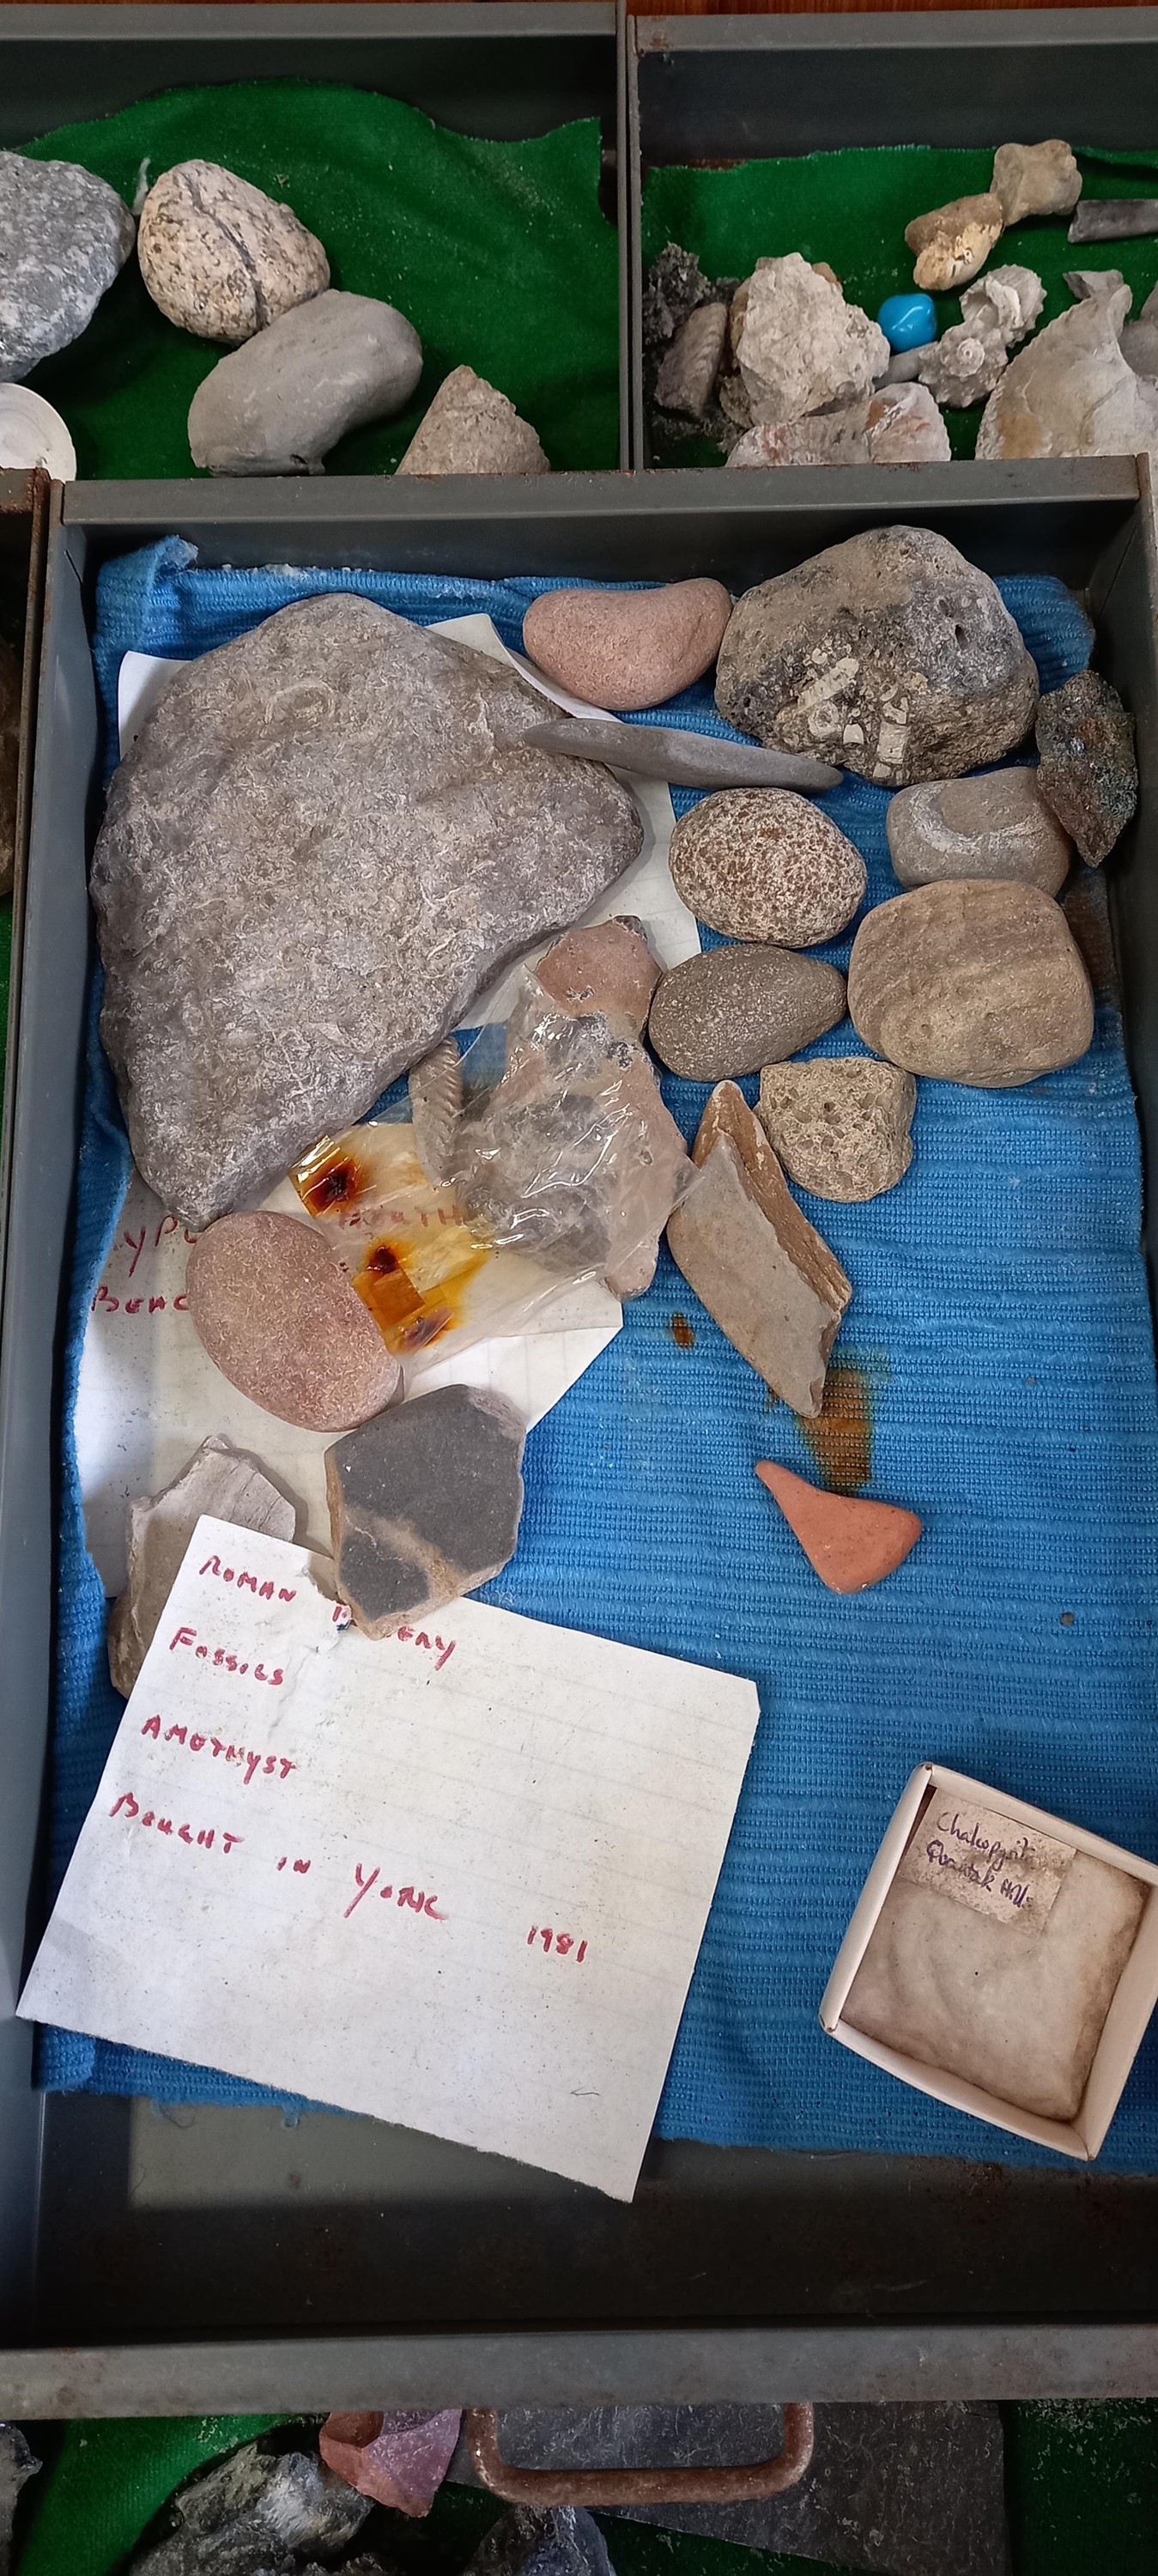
32	433
802	346
1006	300
1071	392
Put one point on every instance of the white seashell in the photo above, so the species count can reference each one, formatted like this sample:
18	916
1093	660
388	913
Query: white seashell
32	433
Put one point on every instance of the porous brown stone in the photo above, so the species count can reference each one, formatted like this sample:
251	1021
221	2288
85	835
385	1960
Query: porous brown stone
972	982
840	1125
762	863
889	654
954	241
735	1009
996	826
627	648
765	1275
471	428
607	970
279	1318
425	1504
221	258
1087	771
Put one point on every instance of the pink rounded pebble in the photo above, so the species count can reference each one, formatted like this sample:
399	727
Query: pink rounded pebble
627	648
281	1321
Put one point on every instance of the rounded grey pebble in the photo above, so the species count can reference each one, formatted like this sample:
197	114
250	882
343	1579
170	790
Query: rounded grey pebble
998	826
64	235
762	863
282	401
736	1009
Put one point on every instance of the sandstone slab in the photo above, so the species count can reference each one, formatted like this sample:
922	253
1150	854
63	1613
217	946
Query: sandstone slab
800	345
766	1276
219	1480
279	404
1072	393
686	759
998	826
1035	179
325	840
1087	771
219	257
689	370
954	241
971	982
279	1318
850	1541
627	648
398	2458
840	1125
64	237
762	863
735	1009
471	428
425	1504
889	654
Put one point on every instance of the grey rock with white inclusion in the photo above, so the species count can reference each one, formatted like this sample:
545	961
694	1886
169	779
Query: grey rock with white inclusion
64	235
326	839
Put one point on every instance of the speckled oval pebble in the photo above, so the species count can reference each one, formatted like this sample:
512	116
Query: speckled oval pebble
735	1009
280	1320
627	648
762	863
221	258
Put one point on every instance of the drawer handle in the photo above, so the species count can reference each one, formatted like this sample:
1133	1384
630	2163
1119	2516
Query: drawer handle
742	2485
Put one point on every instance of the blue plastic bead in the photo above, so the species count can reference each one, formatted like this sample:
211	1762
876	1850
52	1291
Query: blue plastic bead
908	321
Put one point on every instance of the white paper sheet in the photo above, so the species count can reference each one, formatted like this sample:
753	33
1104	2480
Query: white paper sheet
456	1879
148	1394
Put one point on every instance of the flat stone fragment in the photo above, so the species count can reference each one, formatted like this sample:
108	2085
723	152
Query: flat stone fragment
766	1276
1114	219
564	2541
971	982
762	863
398	2458
219	257
954	241
1035	179
889	654
849	1541
607	971
964	365
324	841
685	759
735	1009
1138	342
220	1481
800	346
471	428
692	363
10	694
256	2512
18	2463
425	1504
280	403
904	427
840	1125
435	1088
997	826
1087	771
838	437
627	648
1007	300
1086	283
279	1318
1072	393
64	237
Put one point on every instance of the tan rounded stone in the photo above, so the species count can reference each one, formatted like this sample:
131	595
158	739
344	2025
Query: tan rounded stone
221	258
281	1321
954	241
606	971
762	863
627	648
735	1009
999	826
971	982
841	1124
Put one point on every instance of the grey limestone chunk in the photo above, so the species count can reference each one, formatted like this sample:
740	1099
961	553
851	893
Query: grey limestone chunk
325	840
64	235
425	1504
281	402
888	653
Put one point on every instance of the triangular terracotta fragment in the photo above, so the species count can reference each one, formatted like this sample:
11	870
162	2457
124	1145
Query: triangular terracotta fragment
851	1543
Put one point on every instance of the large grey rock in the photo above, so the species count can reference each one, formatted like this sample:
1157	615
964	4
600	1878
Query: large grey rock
278	405
889	654
63	237
255	2511
326	839
222	259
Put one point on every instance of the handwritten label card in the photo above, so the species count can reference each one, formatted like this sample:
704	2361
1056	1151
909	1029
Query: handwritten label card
988	1862
457	1879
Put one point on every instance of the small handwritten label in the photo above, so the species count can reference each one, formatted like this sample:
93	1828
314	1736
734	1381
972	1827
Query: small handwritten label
988	1862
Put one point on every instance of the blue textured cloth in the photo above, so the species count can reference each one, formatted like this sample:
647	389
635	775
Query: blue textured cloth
1001	1333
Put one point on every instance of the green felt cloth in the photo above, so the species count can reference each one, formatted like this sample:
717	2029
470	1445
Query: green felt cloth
851	208
497	252
83	2513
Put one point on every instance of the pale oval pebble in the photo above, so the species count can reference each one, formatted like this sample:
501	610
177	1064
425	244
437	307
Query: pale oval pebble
219	257
998	826
762	863
627	648
735	1009
281	1321
971	982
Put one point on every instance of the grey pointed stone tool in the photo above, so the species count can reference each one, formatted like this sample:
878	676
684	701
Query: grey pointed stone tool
1113	219
684	759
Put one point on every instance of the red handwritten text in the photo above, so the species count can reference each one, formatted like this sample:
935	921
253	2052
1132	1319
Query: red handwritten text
206	1836
221	1659
245	1582
564	1941
271	1765
414	1897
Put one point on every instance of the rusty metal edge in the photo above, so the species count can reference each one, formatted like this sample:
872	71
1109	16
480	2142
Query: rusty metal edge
748	2482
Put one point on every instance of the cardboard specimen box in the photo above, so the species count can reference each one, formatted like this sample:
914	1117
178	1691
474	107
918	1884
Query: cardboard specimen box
994	1869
